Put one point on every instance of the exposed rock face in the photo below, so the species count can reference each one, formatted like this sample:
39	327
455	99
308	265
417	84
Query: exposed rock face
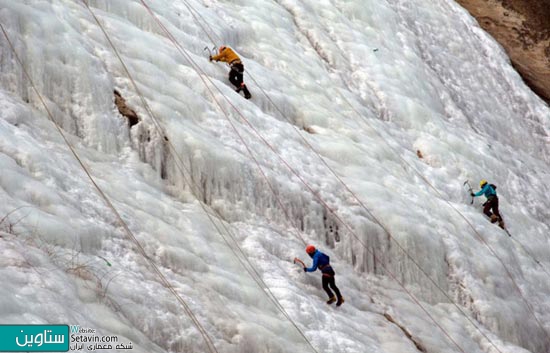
522	27
124	110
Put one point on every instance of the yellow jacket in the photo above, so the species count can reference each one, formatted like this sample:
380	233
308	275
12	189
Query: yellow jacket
227	55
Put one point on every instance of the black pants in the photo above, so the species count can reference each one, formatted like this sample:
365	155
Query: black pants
329	281
491	204
236	78
236	75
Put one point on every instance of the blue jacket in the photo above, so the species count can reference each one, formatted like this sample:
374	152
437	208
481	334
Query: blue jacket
487	190
320	260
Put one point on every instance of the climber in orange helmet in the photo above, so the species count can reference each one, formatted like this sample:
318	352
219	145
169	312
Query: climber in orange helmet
322	261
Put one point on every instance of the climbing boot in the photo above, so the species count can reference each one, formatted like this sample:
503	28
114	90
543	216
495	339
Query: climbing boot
247	94
494	218
331	300
340	301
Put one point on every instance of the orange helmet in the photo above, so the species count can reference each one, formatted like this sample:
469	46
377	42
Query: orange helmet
222	48
310	249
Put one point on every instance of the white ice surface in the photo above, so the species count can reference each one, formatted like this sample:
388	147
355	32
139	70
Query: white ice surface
422	75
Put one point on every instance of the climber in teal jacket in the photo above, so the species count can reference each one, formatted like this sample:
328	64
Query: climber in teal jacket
492	201
486	189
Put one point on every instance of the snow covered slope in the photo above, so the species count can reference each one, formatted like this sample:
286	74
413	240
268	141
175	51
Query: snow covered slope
222	193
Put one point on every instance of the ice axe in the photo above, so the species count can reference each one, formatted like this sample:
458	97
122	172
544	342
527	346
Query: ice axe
210	50
470	190
298	261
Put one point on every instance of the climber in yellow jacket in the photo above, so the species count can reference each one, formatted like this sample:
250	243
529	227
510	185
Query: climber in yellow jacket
237	68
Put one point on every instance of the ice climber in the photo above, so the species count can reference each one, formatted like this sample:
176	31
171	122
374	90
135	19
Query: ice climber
228	56
489	190
322	261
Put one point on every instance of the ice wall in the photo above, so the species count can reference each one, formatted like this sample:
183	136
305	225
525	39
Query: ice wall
423	75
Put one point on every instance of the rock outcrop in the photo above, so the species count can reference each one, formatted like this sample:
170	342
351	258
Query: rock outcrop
522	27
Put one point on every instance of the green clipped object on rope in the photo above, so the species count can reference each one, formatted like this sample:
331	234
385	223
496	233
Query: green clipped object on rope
104	259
